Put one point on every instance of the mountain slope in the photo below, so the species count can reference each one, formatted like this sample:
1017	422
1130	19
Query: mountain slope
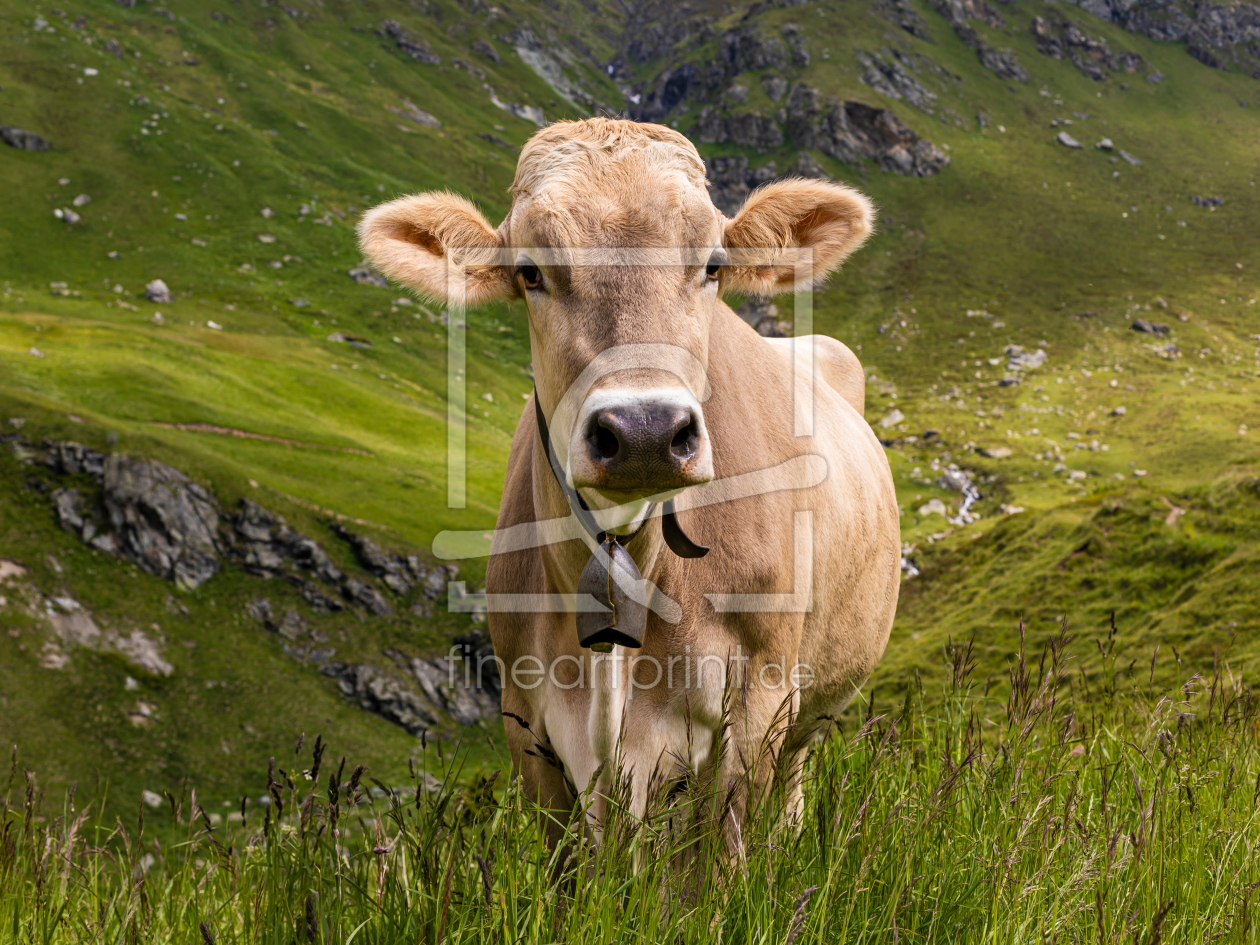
203	129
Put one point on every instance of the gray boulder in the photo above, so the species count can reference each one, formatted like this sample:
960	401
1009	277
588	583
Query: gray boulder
22	139
384	695
157	292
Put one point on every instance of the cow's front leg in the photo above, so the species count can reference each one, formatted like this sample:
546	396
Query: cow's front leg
760	708
544	779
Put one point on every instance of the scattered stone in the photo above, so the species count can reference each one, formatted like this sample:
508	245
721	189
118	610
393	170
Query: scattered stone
418	115
1104	144
354	341
1119	411
299	303
933	507
892	419
157	319
22	139
1009	381
1067	140
266	238
1155	77
995	452
152	801
267	212
1017	359
1149	328
365	275
81	200
1208	201
158	293
1125	155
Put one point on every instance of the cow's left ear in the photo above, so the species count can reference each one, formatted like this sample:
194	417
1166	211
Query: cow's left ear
440	245
765	240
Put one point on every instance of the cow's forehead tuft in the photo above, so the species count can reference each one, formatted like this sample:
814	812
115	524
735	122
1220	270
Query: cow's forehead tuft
603	152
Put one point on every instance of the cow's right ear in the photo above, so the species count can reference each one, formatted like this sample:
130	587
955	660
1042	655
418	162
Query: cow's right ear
440	245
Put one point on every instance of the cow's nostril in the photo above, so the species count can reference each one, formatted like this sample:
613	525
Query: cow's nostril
683	445
605	442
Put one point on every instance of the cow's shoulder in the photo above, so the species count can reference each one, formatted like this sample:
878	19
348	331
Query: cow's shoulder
834	362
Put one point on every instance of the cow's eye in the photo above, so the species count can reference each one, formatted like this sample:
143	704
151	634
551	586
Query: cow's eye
530	276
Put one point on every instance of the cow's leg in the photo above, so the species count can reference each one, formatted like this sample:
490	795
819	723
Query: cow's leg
539	768
759	717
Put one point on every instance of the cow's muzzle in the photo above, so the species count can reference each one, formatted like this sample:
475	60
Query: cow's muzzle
637	445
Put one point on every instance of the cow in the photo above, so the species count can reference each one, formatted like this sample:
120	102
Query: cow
662	424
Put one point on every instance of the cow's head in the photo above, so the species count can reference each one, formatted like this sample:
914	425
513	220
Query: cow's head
620	257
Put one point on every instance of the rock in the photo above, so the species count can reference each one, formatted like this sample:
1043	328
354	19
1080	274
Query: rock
292	626
531	113
1131	159
68	215
157	319
22	140
995	452
1118	411
81	200
143	652
353	341
72	459
1156	77
477	652
744	49
853	131
888	76
357	592
162	520
391	568
66	505
1208	201
320	602
775	86
932	507
1017	359
1009	381
954	479
737	93
483	48
1067	140
157	292
1104	144
418	115
1149	328
416	48
446	686
892	419
747	129
383	695
958	12
364	275
266	238
731	180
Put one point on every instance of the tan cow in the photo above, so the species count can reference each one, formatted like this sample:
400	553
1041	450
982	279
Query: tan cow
654	389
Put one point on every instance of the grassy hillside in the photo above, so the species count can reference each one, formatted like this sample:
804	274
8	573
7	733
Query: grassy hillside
186	124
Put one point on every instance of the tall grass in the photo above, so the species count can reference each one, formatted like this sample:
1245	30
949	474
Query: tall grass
1058	807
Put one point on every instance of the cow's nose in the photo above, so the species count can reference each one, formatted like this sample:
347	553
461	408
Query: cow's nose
652	446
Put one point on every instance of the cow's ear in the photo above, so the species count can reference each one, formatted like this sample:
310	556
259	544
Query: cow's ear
440	245
790	234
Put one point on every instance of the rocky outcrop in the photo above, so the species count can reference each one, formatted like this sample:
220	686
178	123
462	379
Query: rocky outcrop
1063	39
854	131
413	46
383	694
447	689
162	520
1217	34
174	528
747	129
890	74
958	12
